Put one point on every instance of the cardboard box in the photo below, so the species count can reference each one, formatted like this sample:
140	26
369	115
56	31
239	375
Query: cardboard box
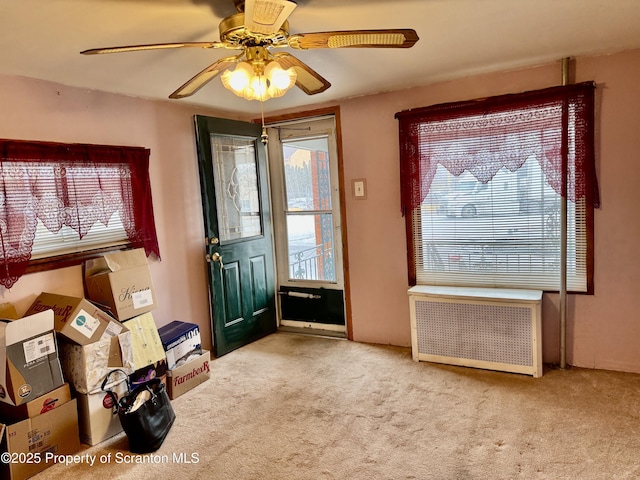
95	413
52	433
145	339
179	339
29	363
121	281
85	367
75	318
149	358
37	406
8	311
189	375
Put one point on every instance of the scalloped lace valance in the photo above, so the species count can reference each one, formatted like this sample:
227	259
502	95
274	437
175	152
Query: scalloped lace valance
556	125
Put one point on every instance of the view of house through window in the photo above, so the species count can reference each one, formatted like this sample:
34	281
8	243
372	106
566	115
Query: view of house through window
504	232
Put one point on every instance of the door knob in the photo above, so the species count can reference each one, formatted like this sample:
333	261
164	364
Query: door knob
216	257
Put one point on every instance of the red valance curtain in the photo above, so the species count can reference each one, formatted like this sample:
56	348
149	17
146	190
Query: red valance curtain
483	136
74	185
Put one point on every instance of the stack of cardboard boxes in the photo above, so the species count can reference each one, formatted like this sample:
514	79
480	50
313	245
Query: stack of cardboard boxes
120	283
37	414
80	341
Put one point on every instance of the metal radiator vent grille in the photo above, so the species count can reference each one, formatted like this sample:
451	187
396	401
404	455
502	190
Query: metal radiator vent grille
491	333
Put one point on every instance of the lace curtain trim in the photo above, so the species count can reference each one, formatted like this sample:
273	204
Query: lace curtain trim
482	137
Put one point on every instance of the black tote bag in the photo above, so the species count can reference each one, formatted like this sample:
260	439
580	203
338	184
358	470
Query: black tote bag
145	413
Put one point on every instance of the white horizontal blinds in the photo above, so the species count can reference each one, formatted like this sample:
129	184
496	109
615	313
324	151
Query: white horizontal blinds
66	240
491	217
490	235
93	213
577	234
577	251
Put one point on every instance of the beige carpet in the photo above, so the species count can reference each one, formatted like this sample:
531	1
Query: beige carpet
300	407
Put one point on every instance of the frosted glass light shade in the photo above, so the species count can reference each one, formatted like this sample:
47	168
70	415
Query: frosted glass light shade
238	79
245	82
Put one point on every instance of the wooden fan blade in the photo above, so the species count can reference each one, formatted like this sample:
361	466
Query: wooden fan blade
205	76
266	16
398	38
308	80
156	46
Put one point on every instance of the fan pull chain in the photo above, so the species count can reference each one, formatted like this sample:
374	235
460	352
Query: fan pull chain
264	138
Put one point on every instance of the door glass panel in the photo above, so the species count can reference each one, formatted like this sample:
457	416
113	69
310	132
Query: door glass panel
308	210
311	247
307	176
236	182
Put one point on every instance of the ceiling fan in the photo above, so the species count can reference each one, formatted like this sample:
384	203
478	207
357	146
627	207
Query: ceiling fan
258	27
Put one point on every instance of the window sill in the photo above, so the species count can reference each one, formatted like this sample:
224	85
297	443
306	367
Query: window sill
71	259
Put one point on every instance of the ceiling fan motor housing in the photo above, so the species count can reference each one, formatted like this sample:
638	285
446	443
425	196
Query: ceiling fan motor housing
232	30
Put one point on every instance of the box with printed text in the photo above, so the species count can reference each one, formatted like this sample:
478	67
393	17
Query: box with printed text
179	339
76	318
121	283
29	362
188	376
39	441
96	418
37	406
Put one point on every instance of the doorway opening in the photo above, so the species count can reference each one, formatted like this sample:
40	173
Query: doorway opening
306	201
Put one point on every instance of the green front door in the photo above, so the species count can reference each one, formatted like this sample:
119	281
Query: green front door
237	220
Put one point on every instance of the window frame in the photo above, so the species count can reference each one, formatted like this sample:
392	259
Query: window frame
411	165
289	132
76	183
71	259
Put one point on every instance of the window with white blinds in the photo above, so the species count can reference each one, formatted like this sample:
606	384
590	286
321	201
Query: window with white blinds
481	184
503	233
62	203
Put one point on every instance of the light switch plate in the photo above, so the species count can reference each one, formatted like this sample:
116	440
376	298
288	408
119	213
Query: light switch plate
359	188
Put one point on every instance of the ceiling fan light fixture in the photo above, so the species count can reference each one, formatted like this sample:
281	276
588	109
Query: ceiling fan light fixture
238	79
252	82
259	26
280	80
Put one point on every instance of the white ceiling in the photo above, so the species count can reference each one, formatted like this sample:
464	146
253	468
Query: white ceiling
42	39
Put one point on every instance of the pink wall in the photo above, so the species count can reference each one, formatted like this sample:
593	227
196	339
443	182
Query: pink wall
602	329
37	110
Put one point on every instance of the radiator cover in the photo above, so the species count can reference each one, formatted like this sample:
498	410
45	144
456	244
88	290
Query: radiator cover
496	329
